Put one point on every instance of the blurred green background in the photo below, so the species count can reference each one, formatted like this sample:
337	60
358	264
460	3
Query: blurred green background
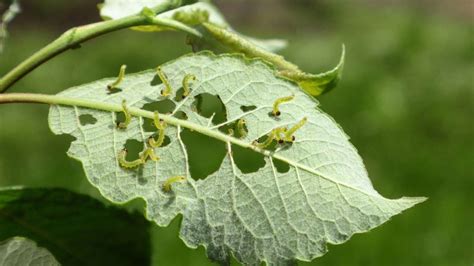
406	99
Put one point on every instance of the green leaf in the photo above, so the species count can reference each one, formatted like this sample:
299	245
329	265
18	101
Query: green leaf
266	215
22	251
192	15
75	228
317	84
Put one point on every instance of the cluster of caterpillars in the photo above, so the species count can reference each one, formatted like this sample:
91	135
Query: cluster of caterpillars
149	152
281	134
160	125
165	92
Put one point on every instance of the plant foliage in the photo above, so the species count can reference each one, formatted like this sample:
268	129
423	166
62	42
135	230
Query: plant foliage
268	215
76	229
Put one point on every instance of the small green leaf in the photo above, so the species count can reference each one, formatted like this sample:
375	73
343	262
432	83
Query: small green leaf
317	84
265	215
77	229
22	251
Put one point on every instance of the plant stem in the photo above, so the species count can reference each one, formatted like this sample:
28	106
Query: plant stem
236	43
75	36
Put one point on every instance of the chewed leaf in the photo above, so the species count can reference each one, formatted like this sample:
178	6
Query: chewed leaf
192	15
317	84
260	216
22	251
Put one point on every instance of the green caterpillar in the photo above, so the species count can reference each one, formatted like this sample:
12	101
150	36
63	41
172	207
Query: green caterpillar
167	184
128	116
282	134
167	90
186	81
160	125
128	164
241	128
119	79
276	104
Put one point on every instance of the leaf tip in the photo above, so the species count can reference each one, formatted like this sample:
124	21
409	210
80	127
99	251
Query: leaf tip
317	84
408	202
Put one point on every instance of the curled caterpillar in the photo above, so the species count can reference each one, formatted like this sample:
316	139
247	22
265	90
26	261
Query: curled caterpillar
186	81
288	136
167	184
128	116
128	164
282	134
273	135
241	128
148	153
276	104
160	125
267	142
119	79
167	90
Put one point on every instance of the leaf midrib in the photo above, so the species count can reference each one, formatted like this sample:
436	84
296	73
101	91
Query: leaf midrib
112	107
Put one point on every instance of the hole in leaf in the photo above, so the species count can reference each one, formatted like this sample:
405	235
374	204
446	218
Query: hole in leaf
228	129
247	161
208	105
148	125
163	107
205	154
281	166
246	108
181	115
271	147
166	141
155	81
87	119
232	129
119	117
179	94
134	147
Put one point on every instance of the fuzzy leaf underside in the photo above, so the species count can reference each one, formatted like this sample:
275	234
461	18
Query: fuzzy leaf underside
114	9
22	251
325	197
